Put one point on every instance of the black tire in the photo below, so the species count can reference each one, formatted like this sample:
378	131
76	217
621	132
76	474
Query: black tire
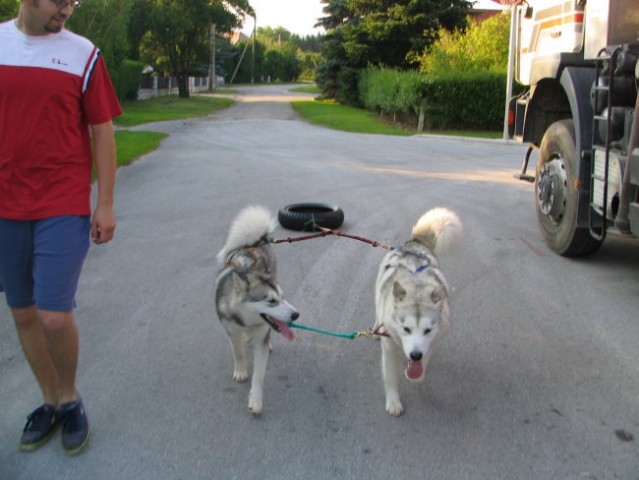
556	196
304	216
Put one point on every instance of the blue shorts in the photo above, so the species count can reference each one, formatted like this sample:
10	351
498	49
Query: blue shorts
41	260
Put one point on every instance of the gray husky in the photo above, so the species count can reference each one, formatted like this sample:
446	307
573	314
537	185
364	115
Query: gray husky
248	299
411	300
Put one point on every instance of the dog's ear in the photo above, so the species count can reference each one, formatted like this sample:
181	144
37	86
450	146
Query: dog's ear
438	294
259	265
239	279
398	292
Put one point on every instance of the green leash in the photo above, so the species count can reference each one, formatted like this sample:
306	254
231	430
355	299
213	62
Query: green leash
351	336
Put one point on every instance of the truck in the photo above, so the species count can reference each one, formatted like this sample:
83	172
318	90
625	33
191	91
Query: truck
576	62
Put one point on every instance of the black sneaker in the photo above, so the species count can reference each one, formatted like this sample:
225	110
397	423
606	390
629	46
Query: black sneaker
40	426
75	427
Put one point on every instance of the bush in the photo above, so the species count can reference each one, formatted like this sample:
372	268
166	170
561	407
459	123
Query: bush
471	100
326	78
481	47
461	82
391	91
126	79
347	90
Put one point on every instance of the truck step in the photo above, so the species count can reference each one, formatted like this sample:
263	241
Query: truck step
524	177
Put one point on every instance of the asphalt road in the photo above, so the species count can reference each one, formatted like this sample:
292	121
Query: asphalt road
538	377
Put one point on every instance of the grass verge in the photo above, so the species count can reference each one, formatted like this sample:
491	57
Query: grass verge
342	117
351	119
169	108
131	145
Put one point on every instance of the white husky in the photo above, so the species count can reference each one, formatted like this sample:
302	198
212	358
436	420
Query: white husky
248	299
411	300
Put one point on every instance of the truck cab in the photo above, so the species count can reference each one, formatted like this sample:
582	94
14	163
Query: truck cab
578	60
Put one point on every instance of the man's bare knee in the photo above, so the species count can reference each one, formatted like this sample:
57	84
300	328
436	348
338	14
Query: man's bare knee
55	321
24	317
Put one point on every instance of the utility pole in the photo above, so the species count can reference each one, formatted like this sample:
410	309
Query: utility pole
237	67
511	64
253	56
212	75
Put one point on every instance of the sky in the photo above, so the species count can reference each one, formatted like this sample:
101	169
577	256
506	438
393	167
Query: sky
296	16
299	16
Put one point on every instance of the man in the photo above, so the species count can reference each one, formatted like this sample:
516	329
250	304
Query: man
56	109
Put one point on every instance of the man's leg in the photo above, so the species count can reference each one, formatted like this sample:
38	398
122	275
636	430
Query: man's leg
42	422
60	247
34	345
48	333
50	343
61	335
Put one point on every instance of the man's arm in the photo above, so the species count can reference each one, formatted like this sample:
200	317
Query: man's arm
103	220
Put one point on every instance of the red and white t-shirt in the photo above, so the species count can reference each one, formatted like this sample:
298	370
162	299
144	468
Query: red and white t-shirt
52	87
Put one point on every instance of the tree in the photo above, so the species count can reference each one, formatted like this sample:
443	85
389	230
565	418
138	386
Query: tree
105	23
176	32
282	63
274	36
385	33
279	56
309	43
250	68
309	61
481	47
9	9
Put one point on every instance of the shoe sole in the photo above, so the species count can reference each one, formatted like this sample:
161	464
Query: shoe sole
30	447
74	451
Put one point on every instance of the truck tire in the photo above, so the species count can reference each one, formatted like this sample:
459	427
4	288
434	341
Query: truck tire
556	196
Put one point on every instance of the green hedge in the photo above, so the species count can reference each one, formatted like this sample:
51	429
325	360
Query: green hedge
469	100
391	91
466	100
126	79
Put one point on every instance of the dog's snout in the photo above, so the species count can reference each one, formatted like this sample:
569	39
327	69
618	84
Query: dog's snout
294	316
415	356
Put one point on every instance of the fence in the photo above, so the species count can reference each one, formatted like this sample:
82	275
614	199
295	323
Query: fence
153	86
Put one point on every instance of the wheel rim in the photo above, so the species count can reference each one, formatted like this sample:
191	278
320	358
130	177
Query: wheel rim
552	190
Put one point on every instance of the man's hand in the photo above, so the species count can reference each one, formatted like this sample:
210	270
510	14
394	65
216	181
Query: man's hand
103	224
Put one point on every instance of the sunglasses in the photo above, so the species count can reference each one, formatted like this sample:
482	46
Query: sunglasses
66	3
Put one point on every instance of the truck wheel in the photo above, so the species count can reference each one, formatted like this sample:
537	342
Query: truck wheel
556	198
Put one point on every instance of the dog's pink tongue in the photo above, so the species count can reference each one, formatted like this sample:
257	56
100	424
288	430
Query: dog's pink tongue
414	370
285	330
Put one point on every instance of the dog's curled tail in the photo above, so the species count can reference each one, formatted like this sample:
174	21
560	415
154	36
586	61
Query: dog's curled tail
440	229
249	226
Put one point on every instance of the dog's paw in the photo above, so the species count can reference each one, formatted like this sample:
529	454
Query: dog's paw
255	405
394	407
240	375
